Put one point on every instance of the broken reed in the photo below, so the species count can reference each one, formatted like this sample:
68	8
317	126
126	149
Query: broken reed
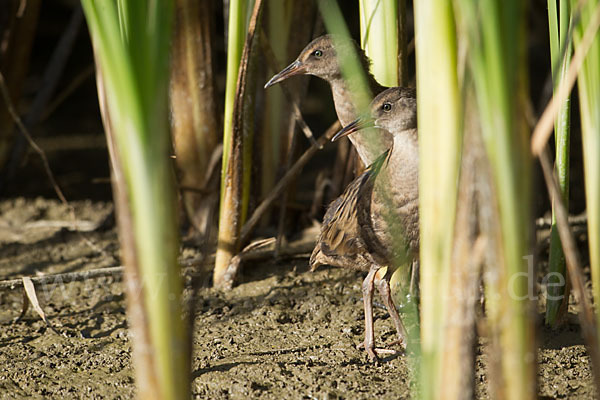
131	47
195	126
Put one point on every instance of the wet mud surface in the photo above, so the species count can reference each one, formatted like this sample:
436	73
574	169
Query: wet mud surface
283	332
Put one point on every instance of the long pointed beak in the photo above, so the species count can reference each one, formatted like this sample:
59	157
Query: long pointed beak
294	68
354	126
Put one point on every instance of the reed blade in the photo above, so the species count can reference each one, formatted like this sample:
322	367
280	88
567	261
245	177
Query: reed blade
440	141
589	99
131	46
235	183
379	34
495	33
560	54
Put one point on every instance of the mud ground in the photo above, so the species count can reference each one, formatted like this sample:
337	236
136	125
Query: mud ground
283	332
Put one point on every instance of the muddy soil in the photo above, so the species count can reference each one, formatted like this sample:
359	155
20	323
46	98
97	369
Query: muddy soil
283	332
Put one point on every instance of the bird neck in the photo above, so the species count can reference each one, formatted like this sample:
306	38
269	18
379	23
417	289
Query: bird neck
342	99
402	173
342	90
369	143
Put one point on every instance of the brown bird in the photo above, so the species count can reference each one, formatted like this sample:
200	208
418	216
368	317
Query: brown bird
375	223
321	58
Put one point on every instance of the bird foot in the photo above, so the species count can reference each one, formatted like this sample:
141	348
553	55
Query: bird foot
399	342
374	352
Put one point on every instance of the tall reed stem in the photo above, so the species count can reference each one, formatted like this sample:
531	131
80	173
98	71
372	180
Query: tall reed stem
495	33
379	37
560	55
439	162
235	192
131	45
589	100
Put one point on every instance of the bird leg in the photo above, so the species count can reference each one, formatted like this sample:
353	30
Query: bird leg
383	285
367	294
368	287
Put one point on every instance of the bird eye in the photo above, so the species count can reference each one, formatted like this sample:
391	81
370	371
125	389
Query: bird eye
318	53
387	107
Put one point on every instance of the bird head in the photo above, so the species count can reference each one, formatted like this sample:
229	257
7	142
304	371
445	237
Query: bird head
319	58
394	110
